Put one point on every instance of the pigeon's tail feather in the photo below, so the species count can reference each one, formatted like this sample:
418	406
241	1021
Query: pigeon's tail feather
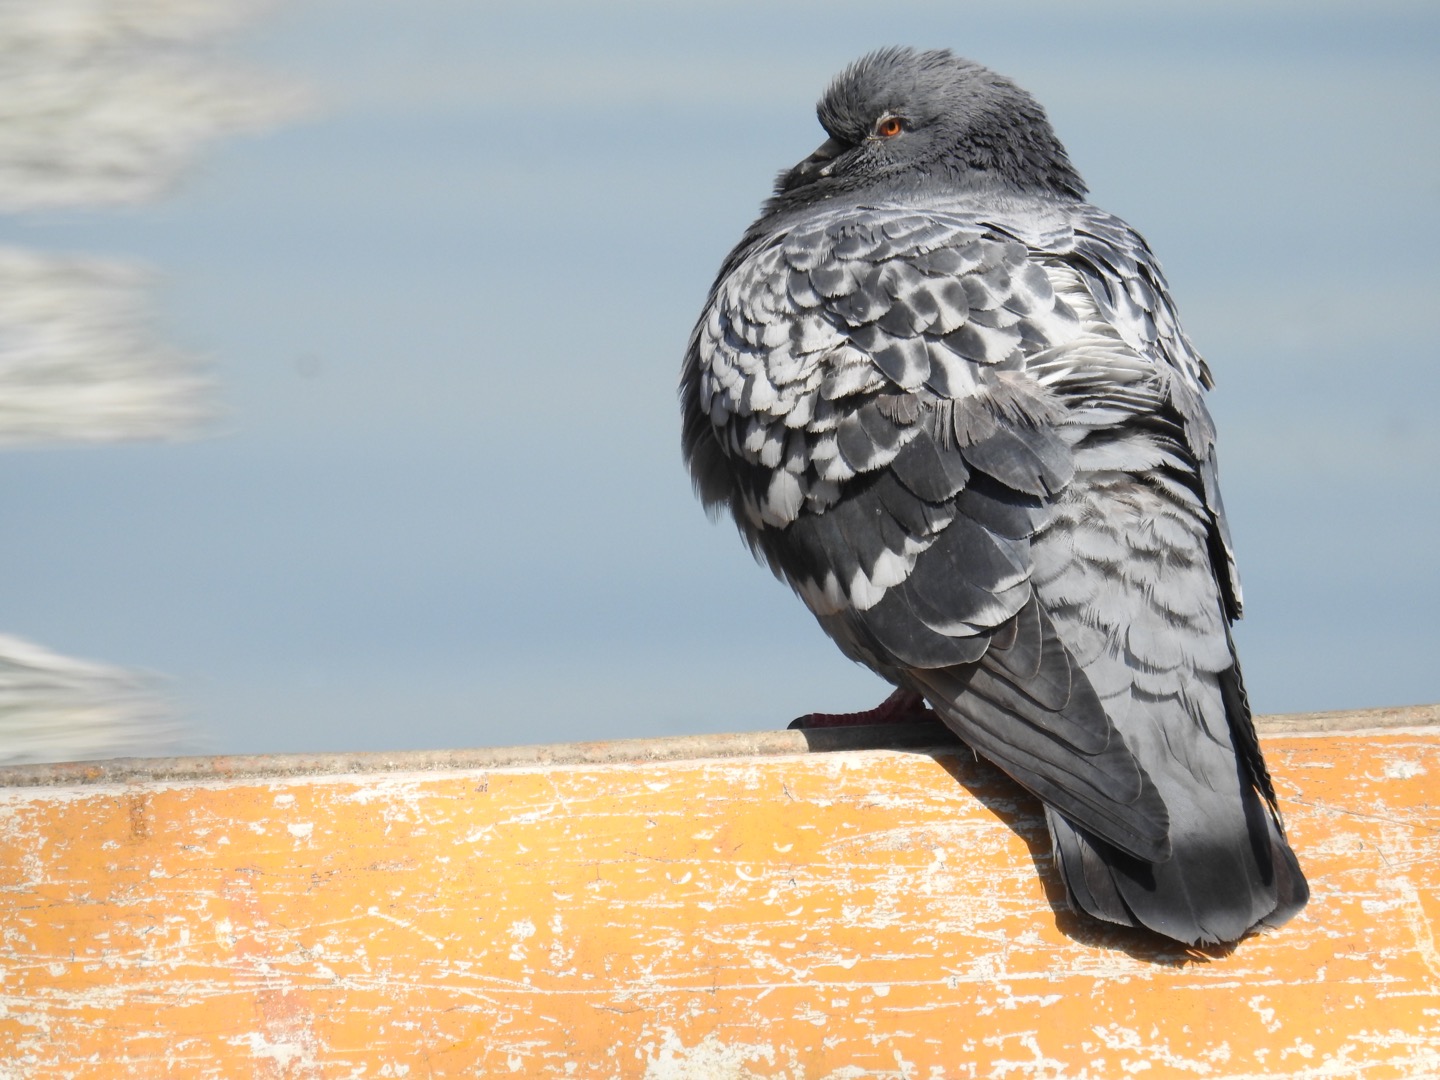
1214	887
1292	891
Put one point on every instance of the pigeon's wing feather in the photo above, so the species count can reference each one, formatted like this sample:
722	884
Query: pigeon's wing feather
1137	571
857	396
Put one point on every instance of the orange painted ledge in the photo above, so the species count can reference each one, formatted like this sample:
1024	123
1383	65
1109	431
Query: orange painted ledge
723	907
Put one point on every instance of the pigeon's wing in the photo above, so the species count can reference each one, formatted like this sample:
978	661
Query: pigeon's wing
859	394
1136	570
1122	279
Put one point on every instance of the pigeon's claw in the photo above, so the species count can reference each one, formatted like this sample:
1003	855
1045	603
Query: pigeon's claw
901	707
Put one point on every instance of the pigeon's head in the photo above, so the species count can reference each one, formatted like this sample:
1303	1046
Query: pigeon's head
900	117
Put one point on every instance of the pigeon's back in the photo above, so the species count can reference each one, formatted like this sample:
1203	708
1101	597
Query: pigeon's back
959	417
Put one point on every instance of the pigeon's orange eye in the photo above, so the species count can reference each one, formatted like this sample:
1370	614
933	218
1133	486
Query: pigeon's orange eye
889	127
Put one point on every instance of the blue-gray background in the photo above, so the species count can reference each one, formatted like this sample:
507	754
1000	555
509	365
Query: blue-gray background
447	311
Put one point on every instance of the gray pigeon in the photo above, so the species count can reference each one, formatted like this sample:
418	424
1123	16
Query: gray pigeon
950	403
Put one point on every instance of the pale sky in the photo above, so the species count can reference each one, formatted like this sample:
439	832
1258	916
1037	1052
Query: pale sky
445	312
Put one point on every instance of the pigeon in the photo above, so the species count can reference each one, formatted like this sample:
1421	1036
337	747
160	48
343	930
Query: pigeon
949	402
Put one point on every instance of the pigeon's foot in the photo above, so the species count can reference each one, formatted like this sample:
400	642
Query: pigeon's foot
901	707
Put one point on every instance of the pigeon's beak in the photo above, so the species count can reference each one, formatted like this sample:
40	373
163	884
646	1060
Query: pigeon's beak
816	165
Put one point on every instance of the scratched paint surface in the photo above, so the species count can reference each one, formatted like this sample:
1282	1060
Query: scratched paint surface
867	914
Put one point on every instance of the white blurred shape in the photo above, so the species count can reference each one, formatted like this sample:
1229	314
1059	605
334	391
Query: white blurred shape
107	101
80	360
56	708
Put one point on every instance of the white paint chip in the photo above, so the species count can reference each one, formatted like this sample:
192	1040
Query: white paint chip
1399	769
710	1060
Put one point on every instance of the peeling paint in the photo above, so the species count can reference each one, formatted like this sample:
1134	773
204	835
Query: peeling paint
709	1060
791	918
